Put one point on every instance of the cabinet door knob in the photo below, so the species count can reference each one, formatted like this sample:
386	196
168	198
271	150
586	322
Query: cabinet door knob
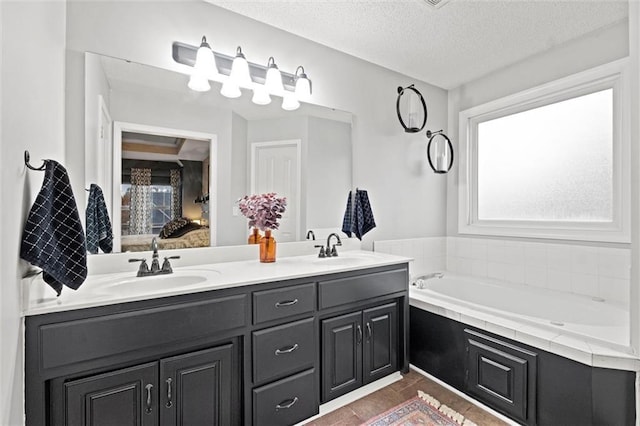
149	388
287	351
169	402
286	303
287	404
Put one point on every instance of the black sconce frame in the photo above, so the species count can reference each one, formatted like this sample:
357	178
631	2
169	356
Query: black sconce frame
424	108
431	135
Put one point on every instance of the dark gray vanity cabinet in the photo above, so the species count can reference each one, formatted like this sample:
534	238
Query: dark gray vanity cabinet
358	348
196	388
122	397
341	355
259	354
193	388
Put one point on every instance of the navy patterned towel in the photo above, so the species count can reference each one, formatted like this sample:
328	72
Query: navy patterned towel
358	216
99	231
53	238
362	214
347	220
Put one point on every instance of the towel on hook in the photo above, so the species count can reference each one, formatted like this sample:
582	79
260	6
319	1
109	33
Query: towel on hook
53	238
347	220
362	215
358	216
99	231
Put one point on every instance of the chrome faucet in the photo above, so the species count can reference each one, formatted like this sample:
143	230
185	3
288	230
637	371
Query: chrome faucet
312	234
144	271
155	265
420	281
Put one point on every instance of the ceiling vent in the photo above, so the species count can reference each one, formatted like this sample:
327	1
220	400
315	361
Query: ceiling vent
437	3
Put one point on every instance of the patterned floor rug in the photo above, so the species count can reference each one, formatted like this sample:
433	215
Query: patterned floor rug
423	410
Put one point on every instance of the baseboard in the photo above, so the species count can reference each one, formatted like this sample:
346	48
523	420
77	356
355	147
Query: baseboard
354	395
465	396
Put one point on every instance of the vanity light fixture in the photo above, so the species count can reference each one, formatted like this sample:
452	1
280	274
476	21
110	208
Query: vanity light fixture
273	81
230	89
289	101
235	72
204	68
240	70
303	84
260	95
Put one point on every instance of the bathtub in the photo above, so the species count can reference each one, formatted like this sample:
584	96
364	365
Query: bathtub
543	313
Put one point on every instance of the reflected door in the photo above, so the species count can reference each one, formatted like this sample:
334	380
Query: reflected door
275	167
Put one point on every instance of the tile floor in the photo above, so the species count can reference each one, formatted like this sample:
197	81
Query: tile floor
380	401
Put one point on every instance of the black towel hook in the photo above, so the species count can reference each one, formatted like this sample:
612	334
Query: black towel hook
27	157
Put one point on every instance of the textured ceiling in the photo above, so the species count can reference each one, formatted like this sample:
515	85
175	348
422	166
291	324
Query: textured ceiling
446	46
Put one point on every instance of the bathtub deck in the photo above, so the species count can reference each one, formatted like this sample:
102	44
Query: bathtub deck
592	352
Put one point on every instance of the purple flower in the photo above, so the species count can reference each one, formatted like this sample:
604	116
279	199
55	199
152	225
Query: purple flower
263	210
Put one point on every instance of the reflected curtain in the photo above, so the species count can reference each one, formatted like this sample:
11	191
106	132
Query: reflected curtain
140	216
175	177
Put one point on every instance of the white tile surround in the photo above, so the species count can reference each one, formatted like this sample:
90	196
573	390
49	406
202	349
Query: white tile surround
588	270
579	269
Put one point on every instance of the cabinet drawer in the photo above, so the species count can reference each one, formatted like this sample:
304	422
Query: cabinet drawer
283	302
71	342
287	401
355	289
284	349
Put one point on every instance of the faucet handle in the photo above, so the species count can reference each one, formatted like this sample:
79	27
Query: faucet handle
143	269
166	265
322	253
334	252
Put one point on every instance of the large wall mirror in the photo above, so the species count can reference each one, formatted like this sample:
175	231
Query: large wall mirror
164	154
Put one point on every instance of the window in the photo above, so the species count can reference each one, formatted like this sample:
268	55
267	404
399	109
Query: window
551	162
160	208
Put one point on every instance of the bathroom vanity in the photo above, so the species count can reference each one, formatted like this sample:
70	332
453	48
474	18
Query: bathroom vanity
264	348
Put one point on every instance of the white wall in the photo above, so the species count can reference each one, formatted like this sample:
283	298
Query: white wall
32	116
594	49
387	162
329	173
96	84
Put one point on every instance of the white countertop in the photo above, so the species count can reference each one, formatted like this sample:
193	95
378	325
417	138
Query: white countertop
120	287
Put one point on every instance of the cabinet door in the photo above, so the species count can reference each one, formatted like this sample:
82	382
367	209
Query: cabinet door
341	355
380	349
196	388
123	397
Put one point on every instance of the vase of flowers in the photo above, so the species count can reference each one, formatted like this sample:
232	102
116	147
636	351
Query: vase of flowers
264	212
254	237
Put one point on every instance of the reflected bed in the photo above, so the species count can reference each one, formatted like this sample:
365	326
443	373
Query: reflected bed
195	238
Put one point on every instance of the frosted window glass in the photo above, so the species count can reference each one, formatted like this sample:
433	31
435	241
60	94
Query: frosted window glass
552	163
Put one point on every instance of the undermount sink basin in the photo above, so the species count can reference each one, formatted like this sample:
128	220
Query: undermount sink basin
156	283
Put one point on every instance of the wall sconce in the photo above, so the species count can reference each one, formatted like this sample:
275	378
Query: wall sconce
236	72
416	106
440	149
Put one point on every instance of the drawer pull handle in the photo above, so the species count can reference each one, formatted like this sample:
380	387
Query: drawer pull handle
286	351
286	303
149	388
169	403
287	404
